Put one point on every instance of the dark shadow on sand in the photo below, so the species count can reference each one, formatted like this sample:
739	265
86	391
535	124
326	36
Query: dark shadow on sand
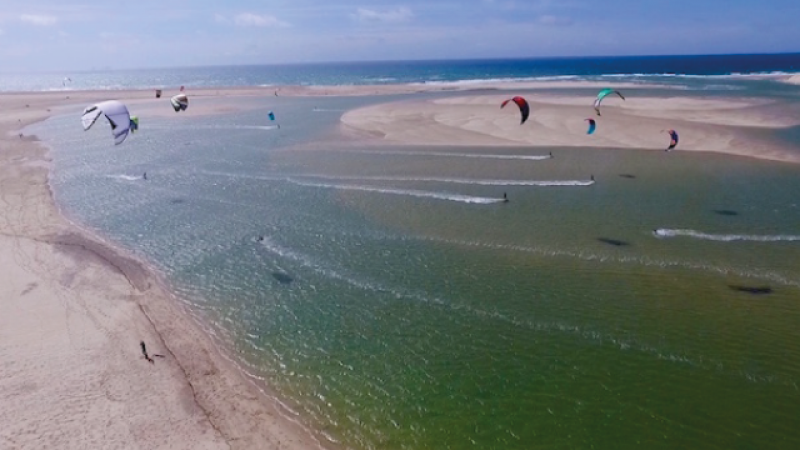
753	290
614	242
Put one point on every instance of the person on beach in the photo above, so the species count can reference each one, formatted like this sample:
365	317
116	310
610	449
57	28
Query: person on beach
144	352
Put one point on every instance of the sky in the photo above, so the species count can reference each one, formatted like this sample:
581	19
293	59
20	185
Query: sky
53	35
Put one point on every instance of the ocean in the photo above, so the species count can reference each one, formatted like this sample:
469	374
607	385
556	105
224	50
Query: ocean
391	298
686	69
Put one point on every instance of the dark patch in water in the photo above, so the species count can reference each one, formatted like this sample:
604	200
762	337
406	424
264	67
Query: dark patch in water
282	277
754	290
177	201
614	242
627	175
726	212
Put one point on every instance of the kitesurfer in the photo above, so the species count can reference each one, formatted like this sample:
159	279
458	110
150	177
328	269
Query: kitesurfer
592	177
144	352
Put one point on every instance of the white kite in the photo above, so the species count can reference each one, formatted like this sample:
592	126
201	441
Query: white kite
118	116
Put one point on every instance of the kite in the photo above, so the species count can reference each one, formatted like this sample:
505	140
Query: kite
603	94
524	109
118	117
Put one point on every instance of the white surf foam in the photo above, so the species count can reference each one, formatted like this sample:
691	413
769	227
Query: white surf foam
670	233
409	192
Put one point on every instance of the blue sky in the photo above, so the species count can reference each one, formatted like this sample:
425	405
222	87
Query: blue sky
69	35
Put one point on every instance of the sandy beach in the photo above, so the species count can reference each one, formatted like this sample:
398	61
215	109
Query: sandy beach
710	125
72	315
74	308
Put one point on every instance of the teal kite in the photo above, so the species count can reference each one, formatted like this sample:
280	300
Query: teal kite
603	94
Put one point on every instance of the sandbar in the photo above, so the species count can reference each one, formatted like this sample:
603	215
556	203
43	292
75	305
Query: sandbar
704	124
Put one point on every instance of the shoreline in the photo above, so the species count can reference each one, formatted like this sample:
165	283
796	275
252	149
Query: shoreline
201	397
93	302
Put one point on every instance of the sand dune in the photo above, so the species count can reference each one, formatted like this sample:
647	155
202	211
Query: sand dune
557	120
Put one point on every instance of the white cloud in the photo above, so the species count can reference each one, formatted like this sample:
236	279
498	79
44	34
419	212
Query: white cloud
39	20
392	15
257	20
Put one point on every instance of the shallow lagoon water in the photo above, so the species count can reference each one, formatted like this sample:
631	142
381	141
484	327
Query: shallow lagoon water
418	311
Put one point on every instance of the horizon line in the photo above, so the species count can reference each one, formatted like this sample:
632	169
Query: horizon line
385	61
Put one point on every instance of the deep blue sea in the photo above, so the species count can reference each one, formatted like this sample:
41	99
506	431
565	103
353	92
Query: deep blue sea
631	68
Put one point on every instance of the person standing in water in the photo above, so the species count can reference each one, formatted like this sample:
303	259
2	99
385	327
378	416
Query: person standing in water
505	198
144	175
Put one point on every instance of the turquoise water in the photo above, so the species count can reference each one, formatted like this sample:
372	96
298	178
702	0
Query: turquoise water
397	303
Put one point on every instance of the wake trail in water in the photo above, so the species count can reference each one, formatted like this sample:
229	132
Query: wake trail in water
354	187
481	182
622	344
639	260
671	233
408	192
125	177
447	154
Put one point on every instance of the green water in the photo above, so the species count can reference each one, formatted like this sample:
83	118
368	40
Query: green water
520	329
395	313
